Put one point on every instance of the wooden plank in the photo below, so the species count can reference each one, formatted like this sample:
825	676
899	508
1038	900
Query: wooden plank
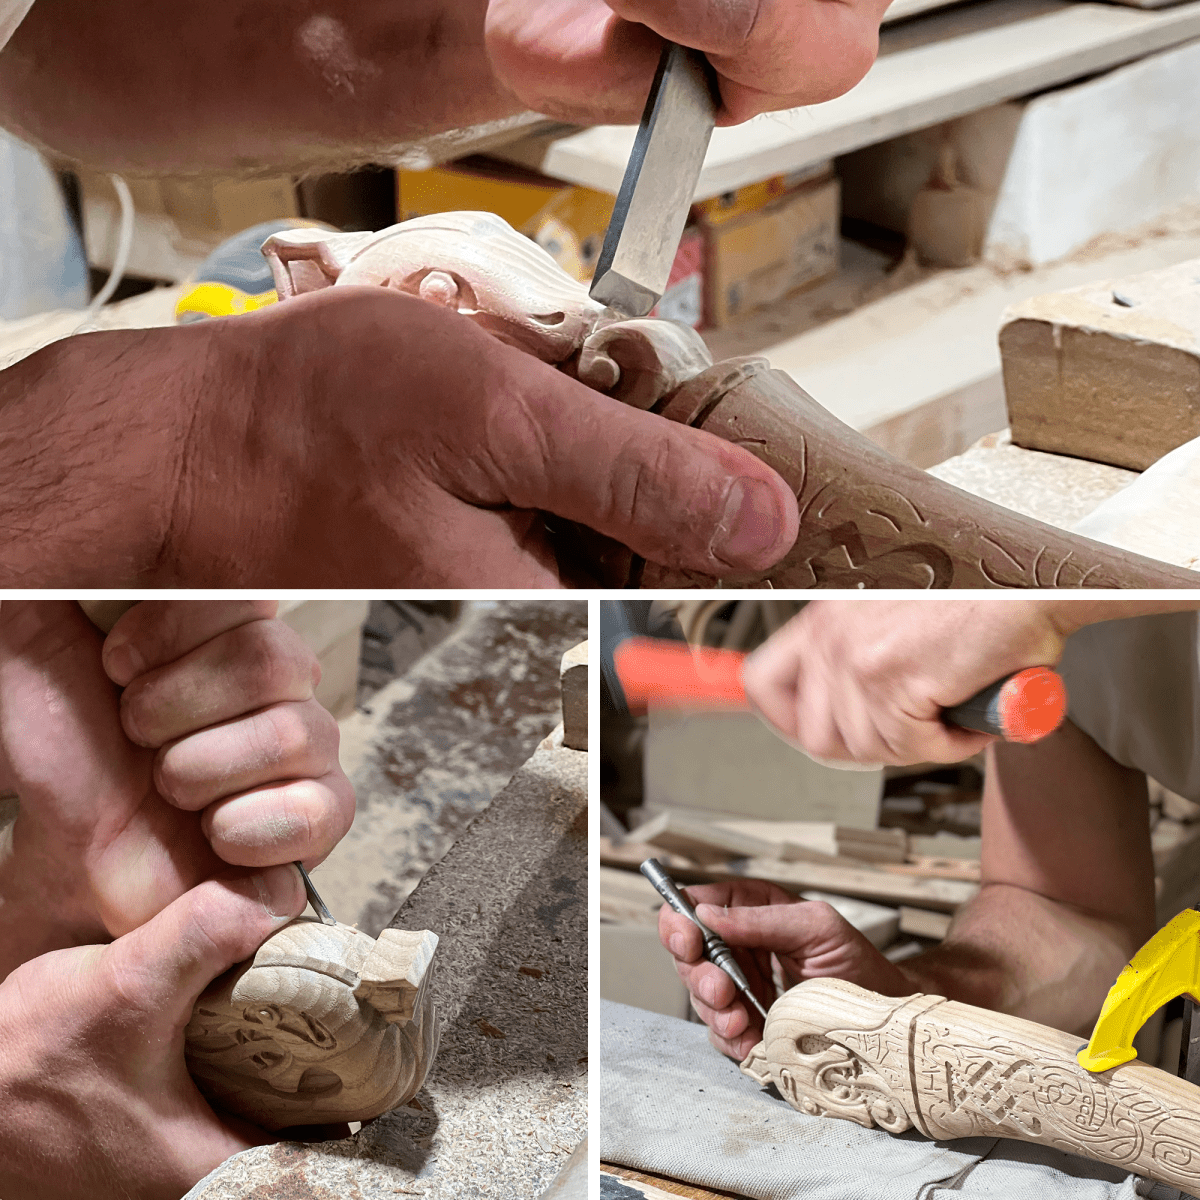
920	922
928	71
943	895
659	1187
700	840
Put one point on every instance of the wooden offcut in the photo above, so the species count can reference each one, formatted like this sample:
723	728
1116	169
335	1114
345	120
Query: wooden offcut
1108	372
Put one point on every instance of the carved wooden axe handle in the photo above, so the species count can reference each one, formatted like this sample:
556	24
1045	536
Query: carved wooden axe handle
1023	707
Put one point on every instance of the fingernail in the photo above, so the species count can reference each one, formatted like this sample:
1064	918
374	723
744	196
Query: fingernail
280	892
749	526
677	944
123	662
706	912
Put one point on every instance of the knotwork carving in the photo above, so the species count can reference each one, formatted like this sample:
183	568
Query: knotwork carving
953	1071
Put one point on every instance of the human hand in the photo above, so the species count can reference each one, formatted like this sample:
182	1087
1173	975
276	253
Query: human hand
867	681
592	61
96	1095
807	938
216	753
361	436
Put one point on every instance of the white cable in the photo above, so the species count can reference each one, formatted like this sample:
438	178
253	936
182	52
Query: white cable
120	259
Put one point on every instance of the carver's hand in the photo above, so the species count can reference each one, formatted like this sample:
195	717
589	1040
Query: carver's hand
216	753
866	682
96	1096
358	436
592	61
759	920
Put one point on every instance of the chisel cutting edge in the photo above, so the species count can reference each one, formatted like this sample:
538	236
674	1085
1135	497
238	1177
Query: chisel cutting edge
656	193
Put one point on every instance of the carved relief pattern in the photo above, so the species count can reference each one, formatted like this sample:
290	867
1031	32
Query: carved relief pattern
323	1025
956	1071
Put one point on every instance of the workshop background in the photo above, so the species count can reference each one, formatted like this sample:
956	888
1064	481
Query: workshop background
925	229
717	795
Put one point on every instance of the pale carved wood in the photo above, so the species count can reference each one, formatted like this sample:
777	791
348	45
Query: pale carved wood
324	1024
951	1070
867	519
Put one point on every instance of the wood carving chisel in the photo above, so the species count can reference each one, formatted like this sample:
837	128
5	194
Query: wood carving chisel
659	183
653	672
104	614
716	948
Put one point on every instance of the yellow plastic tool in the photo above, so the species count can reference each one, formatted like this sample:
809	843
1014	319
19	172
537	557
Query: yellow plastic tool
1168	965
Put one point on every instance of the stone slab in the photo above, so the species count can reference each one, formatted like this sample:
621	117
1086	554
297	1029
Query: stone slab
435	745
1049	487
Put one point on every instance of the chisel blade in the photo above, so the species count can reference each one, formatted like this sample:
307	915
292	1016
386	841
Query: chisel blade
660	181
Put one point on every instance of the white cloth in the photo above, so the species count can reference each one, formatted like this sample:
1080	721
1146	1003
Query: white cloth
1133	686
670	1104
12	13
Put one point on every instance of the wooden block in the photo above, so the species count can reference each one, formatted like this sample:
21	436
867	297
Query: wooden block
796	840
628	897
1108	372
573	675
635	969
714	761
945	895
920	922
701	841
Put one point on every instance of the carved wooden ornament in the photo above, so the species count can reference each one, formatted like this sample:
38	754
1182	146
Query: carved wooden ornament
952	1070
866	519
325	1024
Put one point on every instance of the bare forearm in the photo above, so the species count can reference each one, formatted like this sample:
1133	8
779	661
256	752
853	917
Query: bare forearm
245	85
1017	952
1069	615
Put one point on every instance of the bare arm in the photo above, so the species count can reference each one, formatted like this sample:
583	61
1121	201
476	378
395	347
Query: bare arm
244	85
1068	885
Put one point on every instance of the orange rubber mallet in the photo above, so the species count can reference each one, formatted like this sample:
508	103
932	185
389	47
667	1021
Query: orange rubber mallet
1023	707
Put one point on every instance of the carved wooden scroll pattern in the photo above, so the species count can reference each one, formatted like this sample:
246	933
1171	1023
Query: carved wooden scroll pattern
955	1071
323	1025
869	520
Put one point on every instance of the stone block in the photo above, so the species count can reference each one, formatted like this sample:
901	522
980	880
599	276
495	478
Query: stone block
1108	372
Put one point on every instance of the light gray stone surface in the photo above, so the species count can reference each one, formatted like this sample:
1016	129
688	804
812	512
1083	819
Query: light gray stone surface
436	744
1053	488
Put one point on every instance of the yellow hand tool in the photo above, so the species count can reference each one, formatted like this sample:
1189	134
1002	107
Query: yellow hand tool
1168	965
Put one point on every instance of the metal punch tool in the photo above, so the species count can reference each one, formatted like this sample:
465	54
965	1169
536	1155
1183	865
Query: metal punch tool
716	948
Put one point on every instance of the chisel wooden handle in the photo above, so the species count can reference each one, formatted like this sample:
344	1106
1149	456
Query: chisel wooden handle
655	673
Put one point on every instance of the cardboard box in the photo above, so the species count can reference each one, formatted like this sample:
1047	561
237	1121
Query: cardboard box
178	221
567	221
754	257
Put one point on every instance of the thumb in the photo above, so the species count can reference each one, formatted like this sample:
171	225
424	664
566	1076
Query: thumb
756	927
172	958
675	495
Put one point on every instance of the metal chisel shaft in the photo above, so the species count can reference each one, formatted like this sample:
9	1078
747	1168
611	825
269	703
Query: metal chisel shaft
659	183
716	949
